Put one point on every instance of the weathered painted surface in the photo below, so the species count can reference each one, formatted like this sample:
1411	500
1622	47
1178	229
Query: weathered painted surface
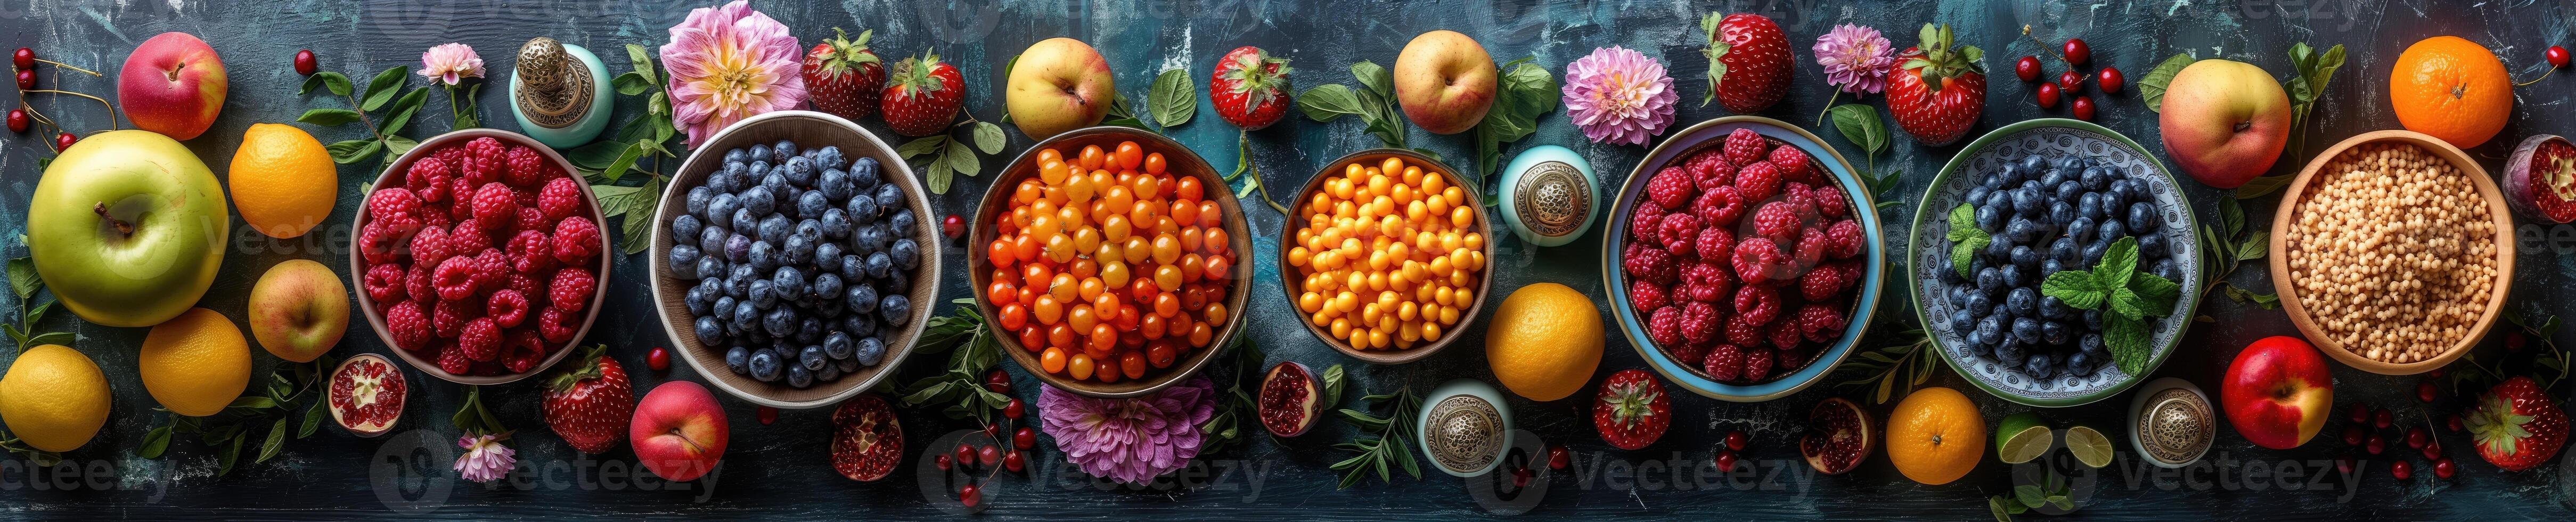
778	471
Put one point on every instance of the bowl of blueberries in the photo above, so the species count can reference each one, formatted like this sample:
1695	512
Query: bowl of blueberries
791	263
2055	262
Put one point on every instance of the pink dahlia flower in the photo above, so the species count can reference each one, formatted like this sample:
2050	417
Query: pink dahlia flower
451	63
1129	440
1855	58
1619	96
728	63
485	458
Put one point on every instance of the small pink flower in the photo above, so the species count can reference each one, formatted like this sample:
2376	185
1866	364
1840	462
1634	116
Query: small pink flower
728	63
451	63
1855	58
485	458
1619	96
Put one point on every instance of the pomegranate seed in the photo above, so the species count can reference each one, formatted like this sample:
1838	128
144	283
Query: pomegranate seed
2376	444
1014	409
17	120
2424	391
2047	95
2110	80
2436	373
2076	52
1558	458
26	58
990	455
965	455
1024	438
2383	419
2027	68
65	141
1014	462
2360	413
2352	435
952	225
2402	469
941	461
1736	440
2083	108
659	359
304	62
2442	467
2557	58
2070	83
970	495
767	415
2415	438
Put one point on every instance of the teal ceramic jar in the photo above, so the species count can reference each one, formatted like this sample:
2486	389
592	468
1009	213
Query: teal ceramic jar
1464	427
1549	195
559	93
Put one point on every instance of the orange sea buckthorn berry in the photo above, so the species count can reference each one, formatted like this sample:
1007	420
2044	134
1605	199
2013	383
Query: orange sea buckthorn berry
1130	155
1052	360
1014	316
1000	253
1091	158
1155	164
1080	368
1200	334
1132	364
1032	339
1161	355
1048	309
1187	188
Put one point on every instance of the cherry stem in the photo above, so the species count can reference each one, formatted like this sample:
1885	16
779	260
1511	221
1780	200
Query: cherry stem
70	66
2544	74
122	227
2043	46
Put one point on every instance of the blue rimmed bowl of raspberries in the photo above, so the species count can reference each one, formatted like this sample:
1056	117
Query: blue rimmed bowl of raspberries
2054	262
794	261
479	257
1744	258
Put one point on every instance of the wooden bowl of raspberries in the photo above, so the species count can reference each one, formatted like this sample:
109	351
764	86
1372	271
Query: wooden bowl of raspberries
479	293
1798	278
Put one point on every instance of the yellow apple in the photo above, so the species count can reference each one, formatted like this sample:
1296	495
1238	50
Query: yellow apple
1058	85
1445	81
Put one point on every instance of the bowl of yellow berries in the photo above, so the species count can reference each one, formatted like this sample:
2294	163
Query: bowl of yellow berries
1385	255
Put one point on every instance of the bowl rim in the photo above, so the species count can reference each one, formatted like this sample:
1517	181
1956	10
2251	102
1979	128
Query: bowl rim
1466	318
2496	209
1865	309
1178	158
376	316
2184	306
673	203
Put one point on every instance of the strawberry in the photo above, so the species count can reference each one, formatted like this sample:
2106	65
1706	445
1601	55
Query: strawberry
591	403
1633	409
922	96
1938	91
2517	425
1250	88
1748	62
843	77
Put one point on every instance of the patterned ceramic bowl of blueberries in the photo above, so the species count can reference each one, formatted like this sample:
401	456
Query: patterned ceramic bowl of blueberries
2059	206
792	263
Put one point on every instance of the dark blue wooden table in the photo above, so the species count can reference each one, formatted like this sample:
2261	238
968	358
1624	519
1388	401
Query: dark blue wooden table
779	471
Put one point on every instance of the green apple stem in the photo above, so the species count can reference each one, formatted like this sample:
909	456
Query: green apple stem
122	226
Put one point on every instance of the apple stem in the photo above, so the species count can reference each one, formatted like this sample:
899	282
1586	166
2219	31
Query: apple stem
122	227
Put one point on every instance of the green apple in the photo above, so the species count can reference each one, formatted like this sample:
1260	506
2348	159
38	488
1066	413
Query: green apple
298	310
127	228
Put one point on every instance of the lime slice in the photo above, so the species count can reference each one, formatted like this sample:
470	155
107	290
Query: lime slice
2089	446
2023	437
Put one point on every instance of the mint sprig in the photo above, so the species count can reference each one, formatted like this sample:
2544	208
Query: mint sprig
1968	238
2115	285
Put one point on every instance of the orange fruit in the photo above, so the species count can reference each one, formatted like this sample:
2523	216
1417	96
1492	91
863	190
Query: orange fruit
283	181
1544	341
2451	88
1936	436
196	363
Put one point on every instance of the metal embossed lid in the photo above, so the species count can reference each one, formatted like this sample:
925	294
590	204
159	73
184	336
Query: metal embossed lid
556	93
1549	195
1465	428
2171	422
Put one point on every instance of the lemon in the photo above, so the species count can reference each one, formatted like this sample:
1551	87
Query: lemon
2089	446
196	363
2023	437
283	181
54	398
1544	341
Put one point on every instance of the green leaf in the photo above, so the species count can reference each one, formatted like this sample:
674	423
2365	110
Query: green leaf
328	117
1375	78
2125	302
1327	102
384	87
2127	341
398	145
353	151
2255	246
312	419
253	402
632	83
155	442
1335	381
62	338
336	83
640	61
1963	223
2152	87
1174	98
1963	256
962	159
232	454
2118	263
276	441
1859	123
1996	505
2262	186
2076	288
1716	50
23	279
403	109
989	137
597	154
625	161
2030	495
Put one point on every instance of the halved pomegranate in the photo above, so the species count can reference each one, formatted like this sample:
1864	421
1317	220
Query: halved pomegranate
1839	436
867	441
1288	399
2540	179
366	395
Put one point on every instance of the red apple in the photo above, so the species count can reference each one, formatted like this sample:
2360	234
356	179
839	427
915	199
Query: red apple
2277	393
679	431
298	310
2224	122
173	84
1445	81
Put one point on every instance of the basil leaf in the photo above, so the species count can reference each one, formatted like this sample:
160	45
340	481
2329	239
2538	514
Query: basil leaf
384	87
328	117
641	62
403	109
337	84
1324	103
2074	287
633	83
962	159
353	150
2152	87
989	137
2255	247
1375	78
1174	98
1859	123
23	279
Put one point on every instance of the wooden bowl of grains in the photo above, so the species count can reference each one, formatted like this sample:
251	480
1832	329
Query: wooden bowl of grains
2392	251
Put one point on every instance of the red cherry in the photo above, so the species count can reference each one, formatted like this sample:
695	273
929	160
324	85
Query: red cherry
2382	419
2047	96
659	359
2402	469
1558	458
26	58
767	415
2344	464
965	455
2514	341
2433	450
2443	467
941	461
993	431
2424	391
2027	68
1014	409
970	495
1024	438
953	226
1014	462
2083	108
2454	423
2557	58
2416	438
990	455
26	79
2070	82
998	382
2376	444
2110	80
17	120
1726	461
1521	477
2352	435
1736	440
304	62
2076	52
2360	413
65	141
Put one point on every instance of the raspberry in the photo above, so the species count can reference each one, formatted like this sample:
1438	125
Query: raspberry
1648	263
1786	334
483	159
572	288
393	202
1699	321
1757	364
1681	234
454	279
523	167
1757	182
1791	360
1665	326
1711	169
1713	282
526	197
453	361
1819	322
1646	296
1757	305
490	269
1641	225
556	324
435	216
1725	363
1715	240
1689	354
1791	162
409	326
428	178
463	191
1850	269
1757	260
481	339
416	283
529	218
1741	333
1745	147
1719	206
431	246
1811	247
1818	285
560	200
1670	188
1831	203
377	243
1800	196
531	252
1843	240
447	317
522	351
452	155
1778	221
469	236
576	240
493	204
384	283
527	287
507	308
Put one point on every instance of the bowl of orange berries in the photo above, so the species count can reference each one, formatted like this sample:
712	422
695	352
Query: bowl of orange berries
1109	261
1386	255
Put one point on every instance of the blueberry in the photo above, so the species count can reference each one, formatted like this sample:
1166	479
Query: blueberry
2008	350
783	149
862	210
723	180
2026	257
2067	191
889	196
2021	230
2059	213
1962	320
1990	280
1977	194
2012	275
686	227
2026	201
700	298
738	283
780	322
798	251
869	351
760	200
2080	230
831	372
2089	206
2022	302
853	268
745	222
760	152
2033	162
836	223
2000	198
2051	308
2063	250
799	171
684	261
863	173
2026	330
2095	179
1978	340
827	285
830	156
861	298
738	359
837	345
775	228
902	221
736	155
2093	320
827	306
896	309
709	330
2092	343
1990	327
2000	250
2082	364
812	203
724	306
2051	266
2142	216
2110	230
764	294
880	265
809	330
2117	196
709	266
800	377
2039	367
789	283
720	209
1990	218
860	325
762	256
906	254
765	366
2053	332
776	182
2152	246
711	240
894	285
2167	269
827	256
2052	177
846	365
758	172
1978	303
698	199
1944	271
